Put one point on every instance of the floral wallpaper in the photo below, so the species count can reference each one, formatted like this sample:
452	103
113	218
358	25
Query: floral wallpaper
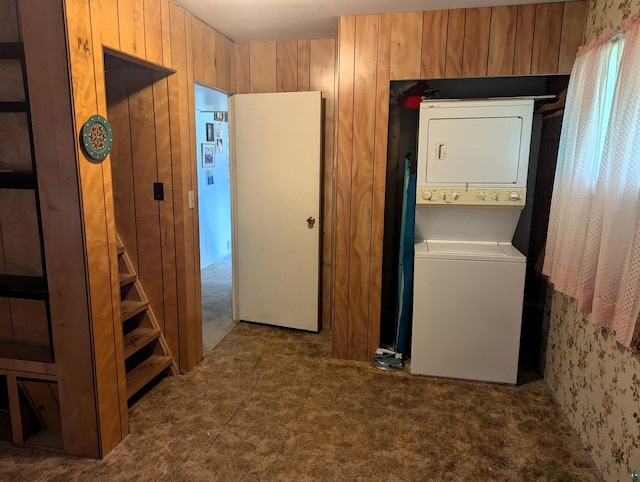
595	380
607	15
597	383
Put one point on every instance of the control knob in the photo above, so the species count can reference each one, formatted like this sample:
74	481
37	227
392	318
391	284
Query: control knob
496	196
514	196
456	196
426	195
444	196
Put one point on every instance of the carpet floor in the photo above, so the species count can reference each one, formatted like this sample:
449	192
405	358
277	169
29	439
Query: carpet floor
216	303
271	404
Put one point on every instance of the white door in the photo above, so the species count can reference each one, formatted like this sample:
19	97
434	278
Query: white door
275	171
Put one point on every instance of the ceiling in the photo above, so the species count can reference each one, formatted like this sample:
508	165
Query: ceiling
251	20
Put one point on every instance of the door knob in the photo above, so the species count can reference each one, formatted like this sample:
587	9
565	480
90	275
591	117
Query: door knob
311	221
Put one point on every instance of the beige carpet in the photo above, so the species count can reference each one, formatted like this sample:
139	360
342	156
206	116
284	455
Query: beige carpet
270	404
216	303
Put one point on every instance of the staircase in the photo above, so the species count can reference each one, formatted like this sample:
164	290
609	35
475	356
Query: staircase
146	353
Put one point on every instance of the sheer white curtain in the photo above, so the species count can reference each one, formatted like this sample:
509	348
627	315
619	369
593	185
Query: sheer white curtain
581	142
615	219
593	243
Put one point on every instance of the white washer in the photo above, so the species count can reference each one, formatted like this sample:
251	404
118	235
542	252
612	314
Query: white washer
467	311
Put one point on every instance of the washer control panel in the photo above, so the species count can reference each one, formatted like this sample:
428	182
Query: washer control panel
456	195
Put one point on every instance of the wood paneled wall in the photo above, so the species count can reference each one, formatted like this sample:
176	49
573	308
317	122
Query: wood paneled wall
139	116
298	66
372	51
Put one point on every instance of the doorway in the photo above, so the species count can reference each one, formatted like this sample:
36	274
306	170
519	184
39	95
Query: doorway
214	213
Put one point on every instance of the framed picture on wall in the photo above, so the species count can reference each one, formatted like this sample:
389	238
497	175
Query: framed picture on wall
208	155
210	178
210	134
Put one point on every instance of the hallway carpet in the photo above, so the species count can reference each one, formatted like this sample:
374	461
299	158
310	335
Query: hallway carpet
216	303
270	404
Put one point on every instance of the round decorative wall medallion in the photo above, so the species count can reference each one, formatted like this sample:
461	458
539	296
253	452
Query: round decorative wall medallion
97	137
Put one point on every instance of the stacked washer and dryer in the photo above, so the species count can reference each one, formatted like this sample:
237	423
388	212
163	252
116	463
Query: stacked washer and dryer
473	158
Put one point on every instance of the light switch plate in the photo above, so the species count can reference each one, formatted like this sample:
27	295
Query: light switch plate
192	200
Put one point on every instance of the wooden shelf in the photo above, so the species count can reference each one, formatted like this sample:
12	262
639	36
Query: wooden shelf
17	180
139	338
24	287
145	372
11	50
127	278
6	106
23	351
132	308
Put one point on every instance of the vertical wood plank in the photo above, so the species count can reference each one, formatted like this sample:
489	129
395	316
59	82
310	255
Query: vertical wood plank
110	30
198	63
524	39
303	65
573	25
364	113
180	152
153	31
476	42
221	65
546	38
344	143
15	144
109	358
232	65
21	242
322	56
131	23
122	162
144	168
243	72
262	59
166	32
30	322
379	182
167	228
228	58
286	66
9	30
434	44
502	40
406	45
208	55
455	43
14	408
5	309
191	331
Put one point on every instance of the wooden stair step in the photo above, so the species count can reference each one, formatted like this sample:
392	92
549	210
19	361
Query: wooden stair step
139	338
132	308
120	249
145	372
127	278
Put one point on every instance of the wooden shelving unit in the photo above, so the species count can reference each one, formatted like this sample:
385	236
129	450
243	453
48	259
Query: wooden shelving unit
29	405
